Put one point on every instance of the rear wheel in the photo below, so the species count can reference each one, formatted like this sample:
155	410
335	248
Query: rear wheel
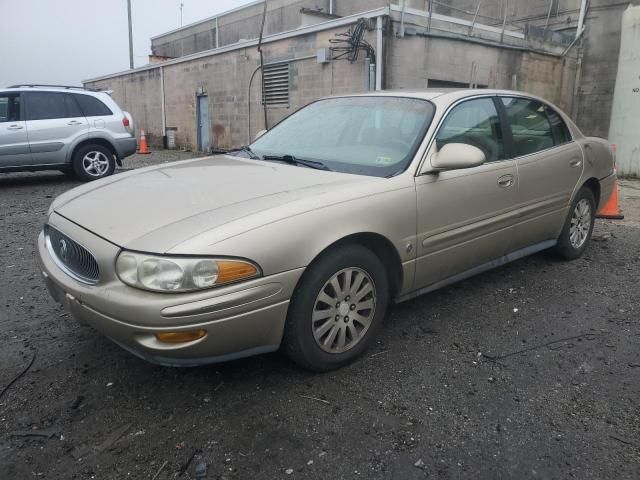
337	309
578	227
92	162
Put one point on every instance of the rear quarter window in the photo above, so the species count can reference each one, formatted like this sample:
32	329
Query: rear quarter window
10	107
91	106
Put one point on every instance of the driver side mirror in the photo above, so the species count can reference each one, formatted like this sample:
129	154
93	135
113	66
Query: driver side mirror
453	156
259	134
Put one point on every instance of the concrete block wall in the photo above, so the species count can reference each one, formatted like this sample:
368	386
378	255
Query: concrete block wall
225	80
414	60
599	65
139	94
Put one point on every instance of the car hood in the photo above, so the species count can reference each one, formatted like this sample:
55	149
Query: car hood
158	208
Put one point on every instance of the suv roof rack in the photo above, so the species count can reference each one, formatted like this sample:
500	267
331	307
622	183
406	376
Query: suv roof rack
68	87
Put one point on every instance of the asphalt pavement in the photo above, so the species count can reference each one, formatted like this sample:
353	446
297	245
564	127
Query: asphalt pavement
531	370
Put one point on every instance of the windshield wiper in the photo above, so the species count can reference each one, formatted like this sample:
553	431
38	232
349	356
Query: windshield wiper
291	160
246	149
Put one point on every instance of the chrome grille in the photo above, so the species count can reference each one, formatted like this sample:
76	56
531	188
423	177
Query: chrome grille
71	257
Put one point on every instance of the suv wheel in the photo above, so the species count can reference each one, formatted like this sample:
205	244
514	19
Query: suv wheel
337	309
92	162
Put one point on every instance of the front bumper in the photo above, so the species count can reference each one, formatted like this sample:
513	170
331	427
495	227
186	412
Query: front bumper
125	147
240	320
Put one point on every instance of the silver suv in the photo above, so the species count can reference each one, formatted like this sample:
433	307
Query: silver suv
71	129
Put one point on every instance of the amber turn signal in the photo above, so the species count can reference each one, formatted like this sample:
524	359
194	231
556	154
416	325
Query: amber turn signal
229	271
180	337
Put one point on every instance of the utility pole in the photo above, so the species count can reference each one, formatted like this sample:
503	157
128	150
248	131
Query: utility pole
181	7
130	36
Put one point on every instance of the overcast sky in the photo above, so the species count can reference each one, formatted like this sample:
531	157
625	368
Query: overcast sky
67	41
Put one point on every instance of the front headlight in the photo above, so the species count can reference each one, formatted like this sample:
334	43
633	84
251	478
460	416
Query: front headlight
180	274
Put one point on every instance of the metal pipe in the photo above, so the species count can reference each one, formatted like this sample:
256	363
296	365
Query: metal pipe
475	16
379	57
264	17
430	15
504	20
130	35
332	7
546	24
404	8
583	12
258	68
574	42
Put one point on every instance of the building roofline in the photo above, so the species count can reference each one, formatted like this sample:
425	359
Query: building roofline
319	27
208	19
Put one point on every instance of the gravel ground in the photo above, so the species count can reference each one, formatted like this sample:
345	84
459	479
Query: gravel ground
529	371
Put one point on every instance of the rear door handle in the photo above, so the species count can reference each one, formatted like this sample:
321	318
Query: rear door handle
74	122
15	127
575	163
506	181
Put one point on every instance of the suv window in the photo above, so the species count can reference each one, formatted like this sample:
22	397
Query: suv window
73	110
91	106
50	105
474	122
534	126
9	107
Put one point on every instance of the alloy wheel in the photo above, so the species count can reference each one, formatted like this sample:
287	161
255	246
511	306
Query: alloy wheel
580	223
95	163
343	310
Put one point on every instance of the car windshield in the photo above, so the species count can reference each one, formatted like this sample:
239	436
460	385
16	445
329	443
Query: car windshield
375	136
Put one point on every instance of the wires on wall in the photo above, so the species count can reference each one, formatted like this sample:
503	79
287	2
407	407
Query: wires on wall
347	45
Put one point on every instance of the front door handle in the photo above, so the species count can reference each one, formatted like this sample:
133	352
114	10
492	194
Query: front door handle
575	163
506	181
15	127
74	122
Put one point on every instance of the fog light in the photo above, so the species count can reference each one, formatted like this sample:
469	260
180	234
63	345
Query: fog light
180	337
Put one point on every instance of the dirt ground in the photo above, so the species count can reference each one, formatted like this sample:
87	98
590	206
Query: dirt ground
528	371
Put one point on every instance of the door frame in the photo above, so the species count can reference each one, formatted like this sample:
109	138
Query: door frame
199	138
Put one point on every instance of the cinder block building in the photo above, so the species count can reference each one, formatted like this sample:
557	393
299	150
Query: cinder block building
206	79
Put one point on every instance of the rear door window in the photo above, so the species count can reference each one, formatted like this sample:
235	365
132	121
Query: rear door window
534	126
474	122
46	105
91	106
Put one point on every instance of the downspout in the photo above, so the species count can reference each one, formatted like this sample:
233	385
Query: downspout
583	12
379	56
164	116
578	35
332	7
217	34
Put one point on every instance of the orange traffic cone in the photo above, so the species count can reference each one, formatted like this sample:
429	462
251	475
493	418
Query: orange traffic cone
144	148
611	209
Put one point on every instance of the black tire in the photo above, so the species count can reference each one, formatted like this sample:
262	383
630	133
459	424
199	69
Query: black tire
565	248
101	154
299	342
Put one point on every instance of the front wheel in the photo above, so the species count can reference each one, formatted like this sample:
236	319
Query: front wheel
337	309
92	162
578	227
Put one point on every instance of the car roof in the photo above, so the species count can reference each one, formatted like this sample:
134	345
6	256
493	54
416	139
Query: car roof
448	93
51	88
